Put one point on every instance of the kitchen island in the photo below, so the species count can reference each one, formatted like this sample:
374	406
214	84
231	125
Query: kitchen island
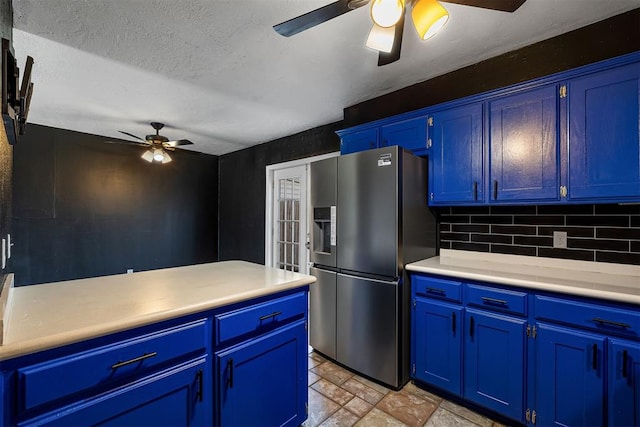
535	340
187	345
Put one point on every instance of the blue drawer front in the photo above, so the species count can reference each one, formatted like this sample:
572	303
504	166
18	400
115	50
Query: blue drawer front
96	369
607	320
260	317
437	288
496	299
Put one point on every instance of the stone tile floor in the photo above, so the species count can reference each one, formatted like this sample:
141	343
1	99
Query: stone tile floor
338	397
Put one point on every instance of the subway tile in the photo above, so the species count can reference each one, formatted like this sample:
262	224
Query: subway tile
513	250
445	226
440	210
513	229
571	231
565	210
513	210
455	219
635	246
492	238
635	221
618	233
492	219
445	245
532	241
601	220
618	257
576	254
460	237
602	244
470	228
540	220
469	210
478	247
617	209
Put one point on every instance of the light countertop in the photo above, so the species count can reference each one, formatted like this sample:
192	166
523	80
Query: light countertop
615	282
55	314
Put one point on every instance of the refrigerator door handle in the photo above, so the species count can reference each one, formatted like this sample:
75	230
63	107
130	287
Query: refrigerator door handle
353	276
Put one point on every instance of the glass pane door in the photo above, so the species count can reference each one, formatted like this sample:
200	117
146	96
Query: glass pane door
289	227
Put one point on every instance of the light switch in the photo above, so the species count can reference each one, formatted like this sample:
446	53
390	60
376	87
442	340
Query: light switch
9	244
4	253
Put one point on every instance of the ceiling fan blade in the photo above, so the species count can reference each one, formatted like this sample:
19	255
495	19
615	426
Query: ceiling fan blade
501	5
131	135
315	17
122	141
385	58
178	142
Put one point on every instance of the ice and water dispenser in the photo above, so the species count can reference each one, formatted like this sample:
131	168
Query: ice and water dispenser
324	229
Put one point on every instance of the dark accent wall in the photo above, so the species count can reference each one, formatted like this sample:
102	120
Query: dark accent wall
243	182
6	151
604	233
605	39
84	207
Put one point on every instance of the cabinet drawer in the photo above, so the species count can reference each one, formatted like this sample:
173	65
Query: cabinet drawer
92	371
607	320
496	299
437	288
260	317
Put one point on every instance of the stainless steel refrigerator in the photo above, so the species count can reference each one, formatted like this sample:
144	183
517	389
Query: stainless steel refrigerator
369	219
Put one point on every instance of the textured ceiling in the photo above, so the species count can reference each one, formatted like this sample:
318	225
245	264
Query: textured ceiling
216	73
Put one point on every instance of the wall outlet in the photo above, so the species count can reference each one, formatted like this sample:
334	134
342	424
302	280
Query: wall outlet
560	239
129	270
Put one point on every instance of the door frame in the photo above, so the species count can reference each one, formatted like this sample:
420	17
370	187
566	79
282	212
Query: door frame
269	206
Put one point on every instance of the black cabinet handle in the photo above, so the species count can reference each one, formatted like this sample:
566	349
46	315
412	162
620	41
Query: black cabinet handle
611	323
495	189
436	291
453	322
488	300
475	190
200	386
230	378
372	144
625	361
134	360
268	316
595	356
471	323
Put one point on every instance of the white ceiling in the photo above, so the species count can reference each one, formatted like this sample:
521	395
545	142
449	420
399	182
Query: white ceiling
217	73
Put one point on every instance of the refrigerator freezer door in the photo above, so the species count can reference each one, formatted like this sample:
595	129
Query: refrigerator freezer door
368	212
322	312
324	187
367	327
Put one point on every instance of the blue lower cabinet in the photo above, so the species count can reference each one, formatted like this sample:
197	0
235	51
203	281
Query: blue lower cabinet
570	367
264	381
494	374
623	393
176	397
438	344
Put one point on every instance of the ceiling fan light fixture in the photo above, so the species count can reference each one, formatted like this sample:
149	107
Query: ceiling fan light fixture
429	16
381	38
386	13
148	156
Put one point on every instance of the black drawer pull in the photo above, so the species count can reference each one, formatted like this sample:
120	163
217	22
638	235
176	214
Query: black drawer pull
134	360
268	316
230	378
625	361
436	291
453	322
495	190
595	356
471	327
488	300
475	190
200	386
611	323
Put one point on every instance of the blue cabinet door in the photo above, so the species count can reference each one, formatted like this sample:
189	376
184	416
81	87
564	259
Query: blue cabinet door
456	164
177	397
494	362
624	383
604	146
569	369
365	139
524	147
410	134
438	344
264	381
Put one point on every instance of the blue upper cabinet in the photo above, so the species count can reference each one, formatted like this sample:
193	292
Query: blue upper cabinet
456	160
410	134
604	147
524	147
361	140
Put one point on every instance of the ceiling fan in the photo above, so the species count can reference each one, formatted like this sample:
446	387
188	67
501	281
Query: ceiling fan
158	144
388	20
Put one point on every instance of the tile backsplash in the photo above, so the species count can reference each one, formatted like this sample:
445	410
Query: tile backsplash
604	233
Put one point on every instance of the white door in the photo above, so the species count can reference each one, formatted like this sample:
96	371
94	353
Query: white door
289	219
